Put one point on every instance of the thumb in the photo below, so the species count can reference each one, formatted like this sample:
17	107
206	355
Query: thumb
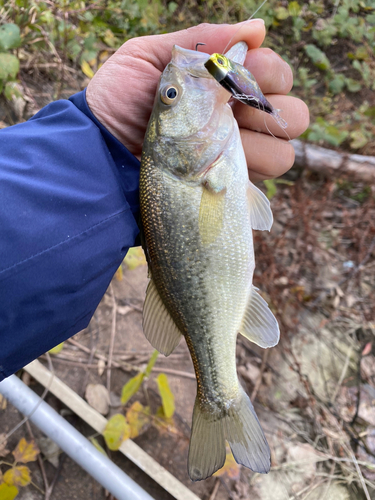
157	49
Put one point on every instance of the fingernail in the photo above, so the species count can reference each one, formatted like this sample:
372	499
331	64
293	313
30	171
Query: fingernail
256	20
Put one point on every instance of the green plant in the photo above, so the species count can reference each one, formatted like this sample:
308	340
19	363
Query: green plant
9	63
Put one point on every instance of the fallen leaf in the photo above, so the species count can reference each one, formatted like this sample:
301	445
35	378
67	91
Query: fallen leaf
17	476
50	450
116	431
367	349
101	367
167	397
3	404
8	492
230	469
25	452
138	416
97	396
86	69
57	349
95	442
135	258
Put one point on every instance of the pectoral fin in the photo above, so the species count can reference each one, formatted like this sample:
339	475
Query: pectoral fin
259	206
259	325
211	215
158	326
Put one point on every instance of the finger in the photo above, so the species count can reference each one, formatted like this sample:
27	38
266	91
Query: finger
266	156
292	110
157	49
272	73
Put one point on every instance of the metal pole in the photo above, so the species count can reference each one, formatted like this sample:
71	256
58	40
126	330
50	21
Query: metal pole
71	441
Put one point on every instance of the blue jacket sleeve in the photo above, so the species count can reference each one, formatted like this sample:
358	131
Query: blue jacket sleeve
68	210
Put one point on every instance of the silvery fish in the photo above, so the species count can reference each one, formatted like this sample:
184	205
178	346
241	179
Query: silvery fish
198	211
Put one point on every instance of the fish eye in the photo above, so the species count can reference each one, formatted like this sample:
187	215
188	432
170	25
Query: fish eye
169	94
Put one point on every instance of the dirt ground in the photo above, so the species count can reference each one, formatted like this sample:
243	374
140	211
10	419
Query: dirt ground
314	393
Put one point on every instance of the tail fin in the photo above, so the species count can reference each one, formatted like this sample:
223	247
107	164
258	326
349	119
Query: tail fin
240	427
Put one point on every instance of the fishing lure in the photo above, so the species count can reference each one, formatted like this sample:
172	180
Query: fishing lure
238	80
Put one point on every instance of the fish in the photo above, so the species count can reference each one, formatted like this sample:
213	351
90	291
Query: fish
198	211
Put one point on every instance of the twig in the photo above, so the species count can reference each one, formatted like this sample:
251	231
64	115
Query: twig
41	464
124	366
174	372
259	380
112	340
26	418
342	376
214	491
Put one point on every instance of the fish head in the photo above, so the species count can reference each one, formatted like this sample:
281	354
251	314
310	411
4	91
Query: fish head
191	121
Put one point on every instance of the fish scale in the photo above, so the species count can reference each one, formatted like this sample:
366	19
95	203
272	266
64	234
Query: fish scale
198	210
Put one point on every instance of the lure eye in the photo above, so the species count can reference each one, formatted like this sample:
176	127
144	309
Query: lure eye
169	94
220	61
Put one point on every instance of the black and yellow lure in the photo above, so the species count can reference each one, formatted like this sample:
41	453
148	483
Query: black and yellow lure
238	80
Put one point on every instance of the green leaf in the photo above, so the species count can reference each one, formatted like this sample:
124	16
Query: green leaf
337	84
131	387
8	492
116	431
353	85
294	9
271	188
166	394
57	349
95	442
134	258
9	36
151	363
172	6
358	139
281	13
9	66
317	56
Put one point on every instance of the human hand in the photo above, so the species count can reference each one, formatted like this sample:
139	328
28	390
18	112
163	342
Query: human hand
122	92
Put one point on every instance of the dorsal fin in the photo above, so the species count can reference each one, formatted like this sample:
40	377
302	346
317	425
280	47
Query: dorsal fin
158	326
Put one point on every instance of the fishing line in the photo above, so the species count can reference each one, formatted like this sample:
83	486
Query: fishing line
240	28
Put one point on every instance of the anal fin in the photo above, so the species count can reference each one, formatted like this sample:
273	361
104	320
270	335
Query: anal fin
158	325
259	325
260	211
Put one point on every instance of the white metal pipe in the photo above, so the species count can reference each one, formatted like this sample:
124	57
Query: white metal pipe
71	441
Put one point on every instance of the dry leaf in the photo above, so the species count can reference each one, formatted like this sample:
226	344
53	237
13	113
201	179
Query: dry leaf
101	367
98	397
138	416
3	404
230	469
17	476
25	452
116	431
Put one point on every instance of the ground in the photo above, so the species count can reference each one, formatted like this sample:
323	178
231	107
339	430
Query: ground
316	269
